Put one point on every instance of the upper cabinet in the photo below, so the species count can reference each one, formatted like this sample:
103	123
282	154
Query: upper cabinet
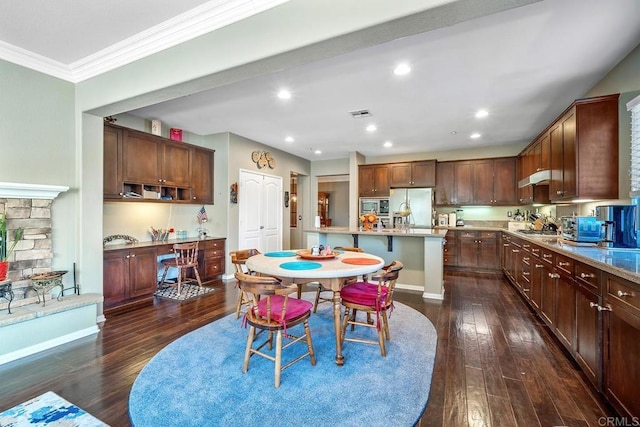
141	166
580	148
412	174
535	158
373	180
489	182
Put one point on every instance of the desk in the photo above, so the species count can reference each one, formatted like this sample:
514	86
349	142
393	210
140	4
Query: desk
331	275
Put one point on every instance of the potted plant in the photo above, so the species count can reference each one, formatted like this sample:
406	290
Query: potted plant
5	249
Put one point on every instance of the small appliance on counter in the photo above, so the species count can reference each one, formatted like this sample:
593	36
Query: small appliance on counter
620	226
582	229
459	218
443	220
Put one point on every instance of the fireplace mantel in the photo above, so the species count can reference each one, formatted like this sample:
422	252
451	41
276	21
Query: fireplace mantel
12	190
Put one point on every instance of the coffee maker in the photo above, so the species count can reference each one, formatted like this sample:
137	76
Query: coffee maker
620	225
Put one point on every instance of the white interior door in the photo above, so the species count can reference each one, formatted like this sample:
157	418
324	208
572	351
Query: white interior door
260	211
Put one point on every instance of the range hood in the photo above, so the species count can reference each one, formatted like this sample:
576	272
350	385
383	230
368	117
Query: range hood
537	178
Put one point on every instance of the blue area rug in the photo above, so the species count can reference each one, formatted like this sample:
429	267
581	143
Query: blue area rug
197	380
48	409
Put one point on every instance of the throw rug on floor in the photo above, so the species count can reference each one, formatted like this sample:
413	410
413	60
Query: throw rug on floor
188	291
48	409
197	380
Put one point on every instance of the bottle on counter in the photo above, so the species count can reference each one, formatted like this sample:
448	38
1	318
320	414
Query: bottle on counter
452	219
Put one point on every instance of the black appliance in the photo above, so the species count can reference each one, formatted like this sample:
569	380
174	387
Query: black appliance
620	225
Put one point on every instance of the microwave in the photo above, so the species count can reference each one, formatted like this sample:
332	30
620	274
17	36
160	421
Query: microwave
586	229
379	205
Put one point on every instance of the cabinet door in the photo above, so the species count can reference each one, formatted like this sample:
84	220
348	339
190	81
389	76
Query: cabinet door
381	180
555	186
450	250
112	179
504	181
202	176
176	164
463	183
588	350
467	249
445	183
565	311
143	272
424	173
545	153
400	175
622	352
506	253
547	303
366	182
488	251
483	182
569	184
141	158
115	277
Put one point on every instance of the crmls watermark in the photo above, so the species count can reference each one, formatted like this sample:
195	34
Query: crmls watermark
619	422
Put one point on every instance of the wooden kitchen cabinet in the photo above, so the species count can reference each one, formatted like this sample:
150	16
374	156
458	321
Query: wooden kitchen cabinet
548	287
485	182
621	370
112	173
588	350
129	276
537	272
373	180
412	174
450	250
565	318
475	249
136	162
584	150
211	262
445	183
202	176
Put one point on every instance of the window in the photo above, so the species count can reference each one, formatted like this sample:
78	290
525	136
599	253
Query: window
634	107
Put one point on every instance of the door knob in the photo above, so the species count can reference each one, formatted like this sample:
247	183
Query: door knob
261	227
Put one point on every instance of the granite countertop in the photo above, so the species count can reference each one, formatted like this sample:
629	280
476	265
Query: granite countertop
412	232
150	243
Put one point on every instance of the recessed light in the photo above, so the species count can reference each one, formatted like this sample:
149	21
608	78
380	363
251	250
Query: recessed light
289	139
317	152
402	69
481	114
371	128
388	144
284	94
475	135
453	132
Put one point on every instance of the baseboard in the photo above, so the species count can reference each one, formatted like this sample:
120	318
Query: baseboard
410	287
101	319
430	295
37	348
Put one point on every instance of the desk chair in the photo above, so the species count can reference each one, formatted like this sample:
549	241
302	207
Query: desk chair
321	289
186	257
239	259
272	310
374	300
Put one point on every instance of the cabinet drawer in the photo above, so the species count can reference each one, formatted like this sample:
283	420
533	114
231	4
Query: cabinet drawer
212	244
547	256
588	276
535	251
214	253
526	246
213	267
486	235
624	292
467	235
564	264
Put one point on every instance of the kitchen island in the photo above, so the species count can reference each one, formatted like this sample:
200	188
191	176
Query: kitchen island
420	250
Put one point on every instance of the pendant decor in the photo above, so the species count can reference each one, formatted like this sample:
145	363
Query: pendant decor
263	159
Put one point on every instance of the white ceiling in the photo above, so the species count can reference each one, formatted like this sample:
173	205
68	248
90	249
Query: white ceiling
524	65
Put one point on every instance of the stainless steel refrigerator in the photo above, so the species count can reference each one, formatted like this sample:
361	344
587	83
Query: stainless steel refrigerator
420	202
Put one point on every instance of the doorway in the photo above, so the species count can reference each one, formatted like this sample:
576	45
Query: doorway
296	218
260	211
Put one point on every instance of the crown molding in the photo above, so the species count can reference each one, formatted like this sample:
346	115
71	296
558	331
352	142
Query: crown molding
13	190
179	29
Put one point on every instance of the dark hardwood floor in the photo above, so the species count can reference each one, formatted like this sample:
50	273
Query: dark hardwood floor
496	364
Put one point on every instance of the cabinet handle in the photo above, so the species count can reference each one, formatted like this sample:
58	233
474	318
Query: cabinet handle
159	180
593	304
554	275
526	290
479	241
525	273
194	197
526	258
546	255
539	169
505	244
563	264
587	275
535	251
121	194
601	308
515	251
128	256
539	265
623	294
133	256
526	246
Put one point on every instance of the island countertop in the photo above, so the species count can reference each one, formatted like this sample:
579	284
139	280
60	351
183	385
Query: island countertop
411	232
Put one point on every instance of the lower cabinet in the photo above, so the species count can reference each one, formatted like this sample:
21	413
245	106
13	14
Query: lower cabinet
588	352
478	250
621	371
537	275
211	259
129	276
450	250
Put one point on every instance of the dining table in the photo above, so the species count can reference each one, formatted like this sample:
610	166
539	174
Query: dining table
298	267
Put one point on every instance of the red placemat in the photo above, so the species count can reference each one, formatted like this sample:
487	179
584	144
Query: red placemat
360	261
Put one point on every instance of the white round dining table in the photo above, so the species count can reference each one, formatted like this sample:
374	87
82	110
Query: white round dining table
331	274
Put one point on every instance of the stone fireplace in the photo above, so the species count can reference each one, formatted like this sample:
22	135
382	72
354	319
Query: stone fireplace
28	206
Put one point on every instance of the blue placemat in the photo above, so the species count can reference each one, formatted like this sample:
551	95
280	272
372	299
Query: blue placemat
281	254
300	265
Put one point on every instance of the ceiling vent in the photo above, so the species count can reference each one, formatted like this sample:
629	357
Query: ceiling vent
356	114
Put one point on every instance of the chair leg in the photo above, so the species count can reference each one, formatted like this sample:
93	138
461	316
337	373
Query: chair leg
383	349
247	351
278	361
385	320
180	273
164	276
315	304
239	303
307	332
197	276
